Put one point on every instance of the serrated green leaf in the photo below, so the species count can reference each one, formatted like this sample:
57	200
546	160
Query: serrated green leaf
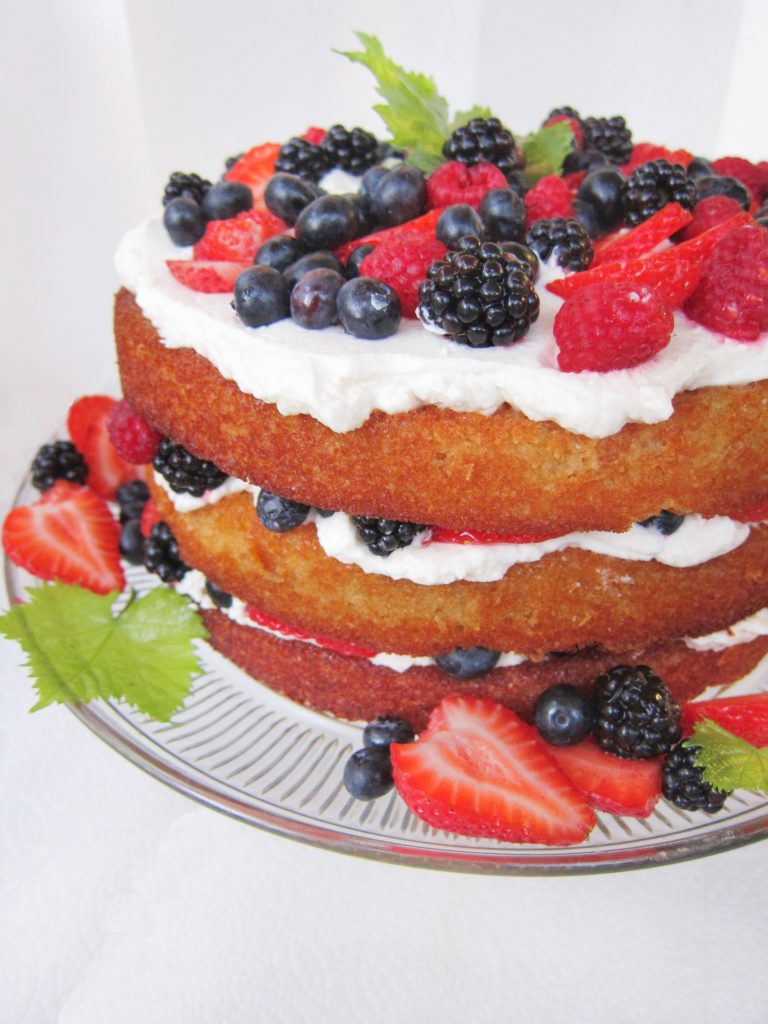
78	651
729	762
546	149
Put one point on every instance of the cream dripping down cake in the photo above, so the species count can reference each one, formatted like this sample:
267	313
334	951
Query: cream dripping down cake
451	433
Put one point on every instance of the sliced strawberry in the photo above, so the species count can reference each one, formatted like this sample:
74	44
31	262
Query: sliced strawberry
746	717
646	236
87	423
68	535
149	517
479	770
643	152
701	247
442	535
423	227
620	785
239	238
255	168
211	276
672	277
277	626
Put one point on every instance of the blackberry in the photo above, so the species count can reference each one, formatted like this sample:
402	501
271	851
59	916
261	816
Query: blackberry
651	186
479	295
608	135
58	461
308	161
185	473
682	783
161	554
563	112
485	140
354	151
564	237
383	536
636	716
185	186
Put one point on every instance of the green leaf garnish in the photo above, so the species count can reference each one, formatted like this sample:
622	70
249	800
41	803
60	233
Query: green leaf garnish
729	762
78	650
546	149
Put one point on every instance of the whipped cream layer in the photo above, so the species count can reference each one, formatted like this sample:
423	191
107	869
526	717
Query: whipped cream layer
340	380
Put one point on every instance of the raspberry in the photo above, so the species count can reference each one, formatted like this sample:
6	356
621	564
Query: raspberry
403	265
454	182
706	214
611	326
644	152
132	437
732	295
549	197
744	171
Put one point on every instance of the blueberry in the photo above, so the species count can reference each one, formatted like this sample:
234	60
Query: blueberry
700	168
563	715
365	215
280	514
286	195
503	214
714	185
261	296
585	160
132	497
226	199
466	663
455	222
372	179
665	522
313	300
368	773
328	222
356	258
311	261
279	252
219	597
603	191
368	308
132	542
184	221
588	218
524	255
400	196
385	730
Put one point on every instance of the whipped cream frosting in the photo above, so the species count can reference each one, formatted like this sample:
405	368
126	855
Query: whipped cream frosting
340	380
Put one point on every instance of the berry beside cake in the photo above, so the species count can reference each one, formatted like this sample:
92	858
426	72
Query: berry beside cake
453	433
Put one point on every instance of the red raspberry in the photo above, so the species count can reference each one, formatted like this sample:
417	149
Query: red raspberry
611	326
549	197
454	182
732	295
132	437
403	265
644	152
573	123
744	171
706	214
314	135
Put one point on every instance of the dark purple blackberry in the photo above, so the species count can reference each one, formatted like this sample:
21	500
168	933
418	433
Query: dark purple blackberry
682	783
161	554
479	295
185	473
308	161
636	716
608	135
186	186
651	186
563	112
58	461
354	151
383	536
564	237
485	140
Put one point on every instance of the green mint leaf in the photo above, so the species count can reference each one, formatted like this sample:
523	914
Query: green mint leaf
729	762
78	651
546	149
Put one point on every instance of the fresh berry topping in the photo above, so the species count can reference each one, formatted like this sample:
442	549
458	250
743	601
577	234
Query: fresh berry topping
132	437
459	220
132	542
385	730
454	182
479	770
161	554
313	299
525	256
611	326
383	536
563	715
185	186
184	221
565	239
399	196
423	226
730	187
368	308
368	773
226	199
149	517
644	152
261	296
708	213
646	236
279	252
286	195
352	268
403	265
314	135
608	783
467	662
306	159
255	168
68	535
87	425
479	295
636	716
745	171
238	239
549	197
484	140
132	499
280	515
745	716
311	261
58	461
219	597
209	276
328	222
665	522
291	632
503	213
609	136
653	185
184	472
683	783
732	296
353	150
601	193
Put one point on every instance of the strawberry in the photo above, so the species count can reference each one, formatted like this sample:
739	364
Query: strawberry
239	238
276	626
646	236
206	275
479	770
442	535
68	535
255	168
87	423
421	227
754	514
620	785
149	517
644	152
746	717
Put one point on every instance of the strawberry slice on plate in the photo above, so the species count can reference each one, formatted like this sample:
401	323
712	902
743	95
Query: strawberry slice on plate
68	535
608	783
479	770
87	423
746	716
209	276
